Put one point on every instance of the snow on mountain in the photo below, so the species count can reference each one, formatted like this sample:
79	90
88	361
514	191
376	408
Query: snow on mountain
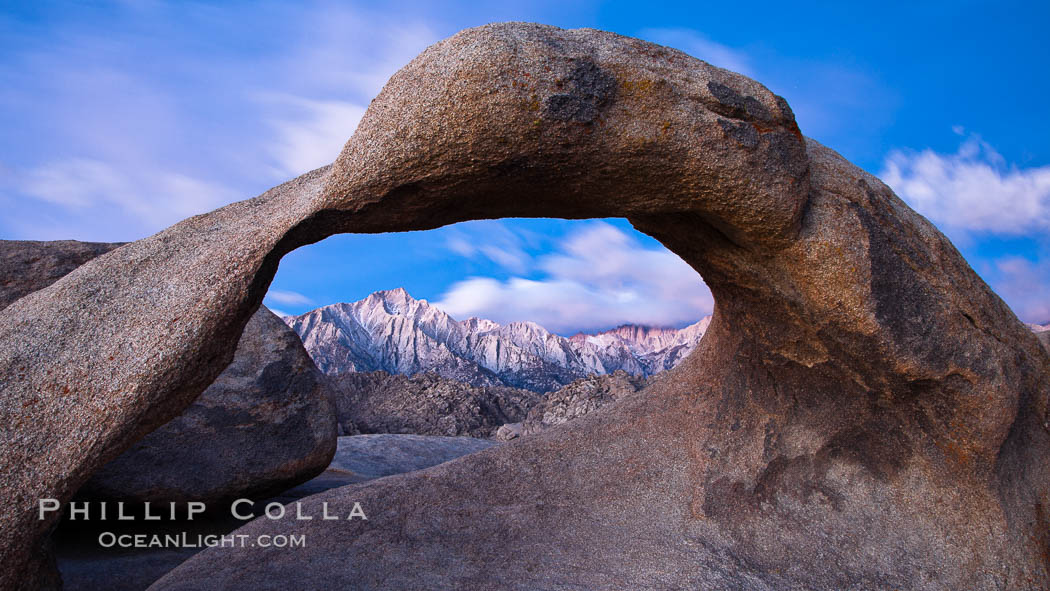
393	332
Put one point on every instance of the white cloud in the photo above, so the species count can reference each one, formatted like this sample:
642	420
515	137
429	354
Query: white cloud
600	277
288	298
972	190
699	46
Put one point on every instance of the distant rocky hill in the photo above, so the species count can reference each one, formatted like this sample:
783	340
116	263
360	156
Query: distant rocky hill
425	404
581	397
391	331
428	404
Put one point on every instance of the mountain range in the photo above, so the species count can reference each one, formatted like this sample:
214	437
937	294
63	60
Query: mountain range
392	331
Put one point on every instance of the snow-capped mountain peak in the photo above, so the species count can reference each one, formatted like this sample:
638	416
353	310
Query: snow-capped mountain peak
391	331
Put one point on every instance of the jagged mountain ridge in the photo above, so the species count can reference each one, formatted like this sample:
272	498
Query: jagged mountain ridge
392	331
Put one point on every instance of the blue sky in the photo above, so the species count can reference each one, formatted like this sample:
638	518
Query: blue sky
121	118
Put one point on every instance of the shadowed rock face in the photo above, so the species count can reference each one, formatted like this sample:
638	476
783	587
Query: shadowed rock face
266	424
863	412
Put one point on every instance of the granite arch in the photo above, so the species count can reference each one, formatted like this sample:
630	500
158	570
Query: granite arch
863	413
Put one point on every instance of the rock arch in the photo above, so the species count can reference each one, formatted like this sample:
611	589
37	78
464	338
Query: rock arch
863	413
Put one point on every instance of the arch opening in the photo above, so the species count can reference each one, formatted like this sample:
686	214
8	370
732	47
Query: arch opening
517	309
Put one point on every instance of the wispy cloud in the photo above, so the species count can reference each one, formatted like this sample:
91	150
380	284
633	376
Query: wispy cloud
288	298
492	240
137	124
344	58
599	277
309	133
105	202
972	191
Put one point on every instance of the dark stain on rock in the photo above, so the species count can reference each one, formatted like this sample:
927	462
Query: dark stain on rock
880	447
903	300
771	441
788	151
723	499
733	104
405	192
741	132
511	166
590	89
785	109
800	478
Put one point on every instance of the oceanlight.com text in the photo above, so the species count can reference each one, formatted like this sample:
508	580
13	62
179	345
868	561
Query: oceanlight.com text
184	540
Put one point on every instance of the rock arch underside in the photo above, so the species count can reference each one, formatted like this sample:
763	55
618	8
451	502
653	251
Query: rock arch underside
864	412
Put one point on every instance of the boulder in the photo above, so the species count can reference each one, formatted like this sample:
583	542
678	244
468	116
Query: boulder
508	431
426	404
578	398
29	265
266	424
863	412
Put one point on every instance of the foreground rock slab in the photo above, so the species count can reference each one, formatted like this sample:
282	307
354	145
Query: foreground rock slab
375	456
85	566
863	411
